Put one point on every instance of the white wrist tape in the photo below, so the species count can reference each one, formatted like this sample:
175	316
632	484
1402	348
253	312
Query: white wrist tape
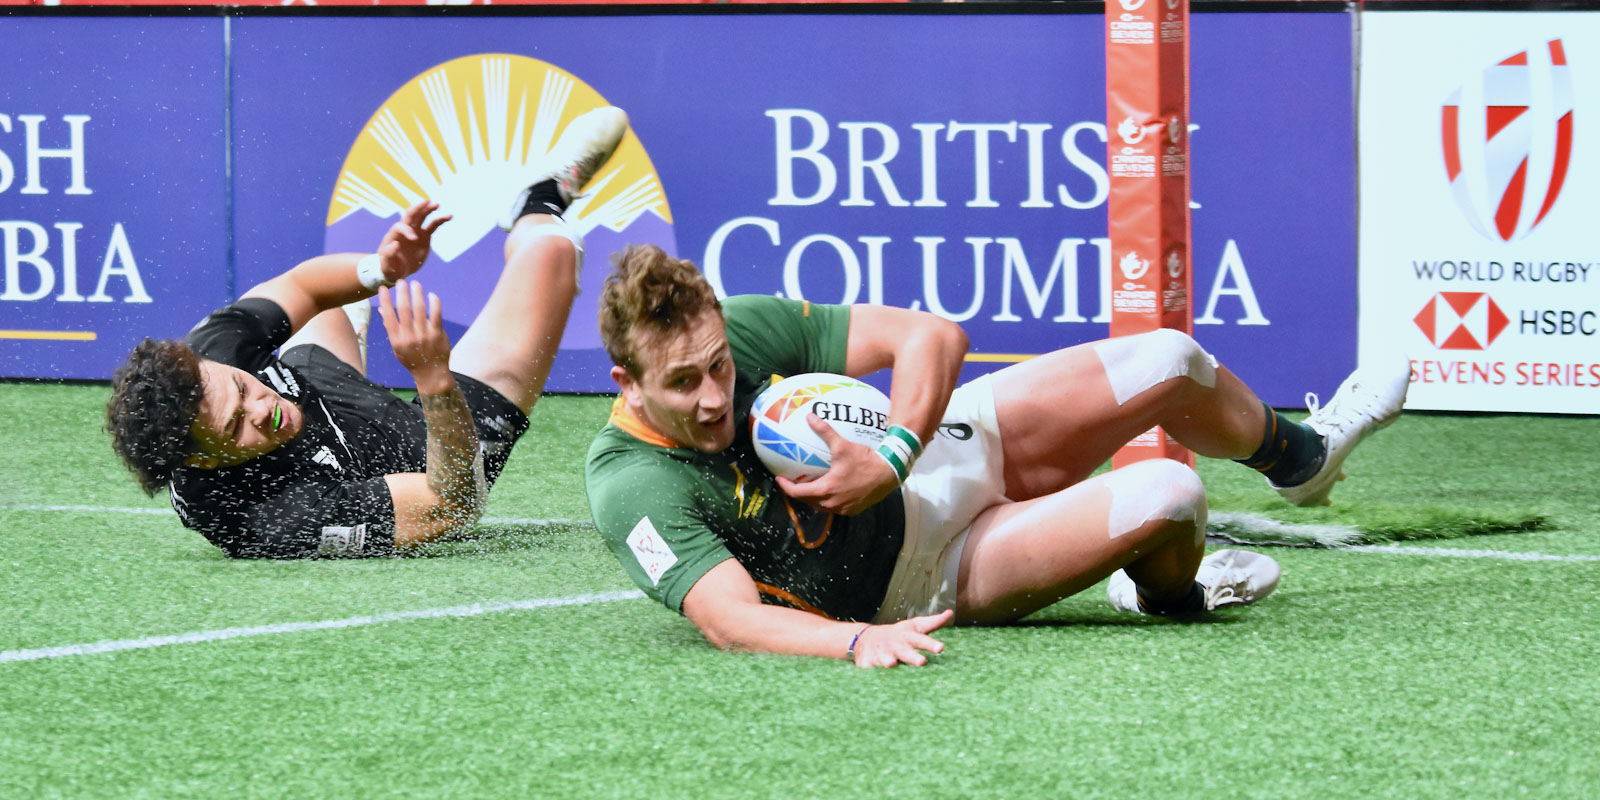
369	270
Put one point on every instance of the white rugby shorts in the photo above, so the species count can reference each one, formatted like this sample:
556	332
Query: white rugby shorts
959	476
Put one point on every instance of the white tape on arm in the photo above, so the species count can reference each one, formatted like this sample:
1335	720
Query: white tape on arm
369	270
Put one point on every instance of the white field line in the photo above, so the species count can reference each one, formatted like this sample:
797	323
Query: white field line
1238	518
168	512
1450	553
1443	552
476	609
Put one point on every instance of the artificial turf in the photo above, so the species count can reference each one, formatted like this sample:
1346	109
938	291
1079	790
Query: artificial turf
1366	674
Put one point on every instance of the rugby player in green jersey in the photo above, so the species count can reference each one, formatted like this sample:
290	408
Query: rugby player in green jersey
997	517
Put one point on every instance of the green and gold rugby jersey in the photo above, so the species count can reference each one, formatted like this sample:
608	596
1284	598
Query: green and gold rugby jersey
672	513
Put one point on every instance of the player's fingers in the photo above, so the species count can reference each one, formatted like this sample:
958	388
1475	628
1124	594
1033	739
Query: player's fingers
418	210
433	224
830	436
907	654
419	305
924	642
932	622
401	291
386	310
797	490
435	312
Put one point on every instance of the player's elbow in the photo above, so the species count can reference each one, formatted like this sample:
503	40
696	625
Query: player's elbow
719	638
952	338
460	510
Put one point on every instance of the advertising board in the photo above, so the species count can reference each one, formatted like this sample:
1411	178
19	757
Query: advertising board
954	163
1480	170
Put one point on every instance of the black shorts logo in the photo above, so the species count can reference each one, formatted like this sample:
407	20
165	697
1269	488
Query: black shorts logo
959	431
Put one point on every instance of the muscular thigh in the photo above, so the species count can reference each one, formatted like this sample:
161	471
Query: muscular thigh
1059	420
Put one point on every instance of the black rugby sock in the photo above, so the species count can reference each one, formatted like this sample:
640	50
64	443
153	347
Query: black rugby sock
1192	603
544	197
1290	452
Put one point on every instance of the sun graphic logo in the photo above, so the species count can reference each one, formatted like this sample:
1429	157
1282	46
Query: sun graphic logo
1461	320
471	133
1507	140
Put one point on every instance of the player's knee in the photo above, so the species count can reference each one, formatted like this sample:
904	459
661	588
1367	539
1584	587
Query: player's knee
554	241
1134	364
1181	354
1159	490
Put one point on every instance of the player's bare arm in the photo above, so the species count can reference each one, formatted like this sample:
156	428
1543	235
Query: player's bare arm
726	606
330	281
925	351
452	493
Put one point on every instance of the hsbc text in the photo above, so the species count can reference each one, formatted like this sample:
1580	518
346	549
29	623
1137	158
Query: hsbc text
1558	323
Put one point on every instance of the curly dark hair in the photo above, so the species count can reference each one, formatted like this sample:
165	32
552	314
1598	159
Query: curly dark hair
155	397
649	293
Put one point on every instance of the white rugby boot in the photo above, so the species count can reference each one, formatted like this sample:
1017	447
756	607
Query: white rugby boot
584	147
1366	402
1236	577
1124	596
1227	577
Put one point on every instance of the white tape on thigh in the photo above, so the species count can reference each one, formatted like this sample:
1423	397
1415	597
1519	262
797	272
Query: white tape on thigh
559	226
1155	489
1136	363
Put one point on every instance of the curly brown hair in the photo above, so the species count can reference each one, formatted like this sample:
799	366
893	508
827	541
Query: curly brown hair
649	293
155	397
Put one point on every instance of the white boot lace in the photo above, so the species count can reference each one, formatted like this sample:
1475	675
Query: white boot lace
1220	591
1345	411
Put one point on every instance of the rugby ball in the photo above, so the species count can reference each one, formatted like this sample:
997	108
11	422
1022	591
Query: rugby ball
784	441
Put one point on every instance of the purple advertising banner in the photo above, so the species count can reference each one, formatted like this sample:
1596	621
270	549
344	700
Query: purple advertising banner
113	202
946	162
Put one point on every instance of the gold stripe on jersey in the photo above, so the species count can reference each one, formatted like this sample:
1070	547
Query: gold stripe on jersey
785	597
800	532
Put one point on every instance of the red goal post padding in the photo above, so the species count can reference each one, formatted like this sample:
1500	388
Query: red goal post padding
1147	151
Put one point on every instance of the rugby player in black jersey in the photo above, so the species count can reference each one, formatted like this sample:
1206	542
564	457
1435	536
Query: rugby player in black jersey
297	454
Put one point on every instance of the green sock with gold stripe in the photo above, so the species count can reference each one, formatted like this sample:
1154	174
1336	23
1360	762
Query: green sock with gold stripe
1290	452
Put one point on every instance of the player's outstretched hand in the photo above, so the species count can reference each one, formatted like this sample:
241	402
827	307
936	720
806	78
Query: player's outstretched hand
902	642
857	478
416	332
405	247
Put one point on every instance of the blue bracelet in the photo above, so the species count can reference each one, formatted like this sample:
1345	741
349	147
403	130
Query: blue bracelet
850	654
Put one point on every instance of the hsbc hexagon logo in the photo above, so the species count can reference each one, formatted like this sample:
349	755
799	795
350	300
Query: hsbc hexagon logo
1507	138
1461	320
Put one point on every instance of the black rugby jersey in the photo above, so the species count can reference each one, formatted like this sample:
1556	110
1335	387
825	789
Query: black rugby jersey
322	492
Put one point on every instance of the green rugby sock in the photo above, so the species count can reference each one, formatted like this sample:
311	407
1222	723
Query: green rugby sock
1290	452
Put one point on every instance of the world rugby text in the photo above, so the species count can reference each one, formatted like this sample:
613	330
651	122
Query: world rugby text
1516	271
